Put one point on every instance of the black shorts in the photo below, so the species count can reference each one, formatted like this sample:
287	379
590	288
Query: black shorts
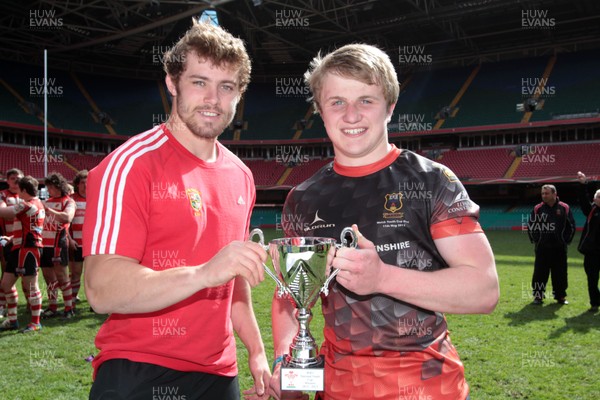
7	249
24	261
120	379
78	254
51	254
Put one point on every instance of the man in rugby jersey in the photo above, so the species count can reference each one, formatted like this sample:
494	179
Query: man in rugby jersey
421	251
9	197
75	233
165	240
60	210
24	258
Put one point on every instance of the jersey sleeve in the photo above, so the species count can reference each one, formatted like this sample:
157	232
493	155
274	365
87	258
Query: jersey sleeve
71	206
453	212
117	212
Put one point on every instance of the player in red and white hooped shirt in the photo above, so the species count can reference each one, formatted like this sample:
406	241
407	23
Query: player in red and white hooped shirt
9	197
60	210
24	258
76	263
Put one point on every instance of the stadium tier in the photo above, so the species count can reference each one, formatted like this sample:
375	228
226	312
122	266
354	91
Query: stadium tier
31	161
559	160
266	173
478	163
496	89
423	94
88	110
573	87
278	109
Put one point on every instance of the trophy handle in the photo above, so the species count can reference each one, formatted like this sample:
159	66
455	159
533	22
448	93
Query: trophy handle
281	289
344	242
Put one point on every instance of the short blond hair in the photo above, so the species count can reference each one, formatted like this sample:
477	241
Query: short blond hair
362	62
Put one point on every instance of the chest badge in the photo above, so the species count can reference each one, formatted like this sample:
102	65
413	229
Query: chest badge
195	201
393	202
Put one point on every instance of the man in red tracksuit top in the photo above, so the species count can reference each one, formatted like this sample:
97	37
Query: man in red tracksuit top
165	240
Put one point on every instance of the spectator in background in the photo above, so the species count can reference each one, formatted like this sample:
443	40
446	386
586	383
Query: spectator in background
164	240
589	244
75	243
551	228
24	258
9	197
60	210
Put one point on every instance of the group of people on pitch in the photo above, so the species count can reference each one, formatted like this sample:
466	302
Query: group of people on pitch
174	193
551	227
44	234
167	254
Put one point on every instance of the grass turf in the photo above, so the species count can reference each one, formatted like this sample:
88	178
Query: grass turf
520	351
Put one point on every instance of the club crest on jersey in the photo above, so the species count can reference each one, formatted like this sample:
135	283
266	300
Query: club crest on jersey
450	175
393	202
195	201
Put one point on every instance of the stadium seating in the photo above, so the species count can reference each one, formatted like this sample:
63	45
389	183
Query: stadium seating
270	113
495	91
478	163
31	161
576	86
425	94
560	160
266	173
302	172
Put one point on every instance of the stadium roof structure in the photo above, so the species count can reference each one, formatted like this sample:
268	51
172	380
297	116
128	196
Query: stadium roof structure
121	37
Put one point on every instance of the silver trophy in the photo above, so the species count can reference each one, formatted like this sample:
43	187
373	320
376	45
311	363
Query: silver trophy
300	265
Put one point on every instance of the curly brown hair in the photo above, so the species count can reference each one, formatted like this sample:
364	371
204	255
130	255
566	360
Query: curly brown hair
213	43
58	181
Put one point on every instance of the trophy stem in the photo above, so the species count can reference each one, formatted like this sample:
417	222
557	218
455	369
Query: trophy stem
303	350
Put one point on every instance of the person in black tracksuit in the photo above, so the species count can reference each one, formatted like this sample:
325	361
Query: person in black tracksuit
551	228
589	245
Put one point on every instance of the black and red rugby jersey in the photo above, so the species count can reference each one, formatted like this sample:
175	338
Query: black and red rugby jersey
401	204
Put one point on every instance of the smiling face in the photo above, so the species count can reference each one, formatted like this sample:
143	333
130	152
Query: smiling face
355	115
205	97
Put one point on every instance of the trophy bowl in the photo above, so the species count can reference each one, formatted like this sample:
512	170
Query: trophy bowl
300	272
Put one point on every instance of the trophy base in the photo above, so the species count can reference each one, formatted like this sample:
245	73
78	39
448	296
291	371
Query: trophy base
310	379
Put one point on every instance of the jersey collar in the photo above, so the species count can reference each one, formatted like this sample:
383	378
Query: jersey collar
364	170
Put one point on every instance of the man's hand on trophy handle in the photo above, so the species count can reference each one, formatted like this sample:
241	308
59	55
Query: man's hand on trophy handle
360	268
